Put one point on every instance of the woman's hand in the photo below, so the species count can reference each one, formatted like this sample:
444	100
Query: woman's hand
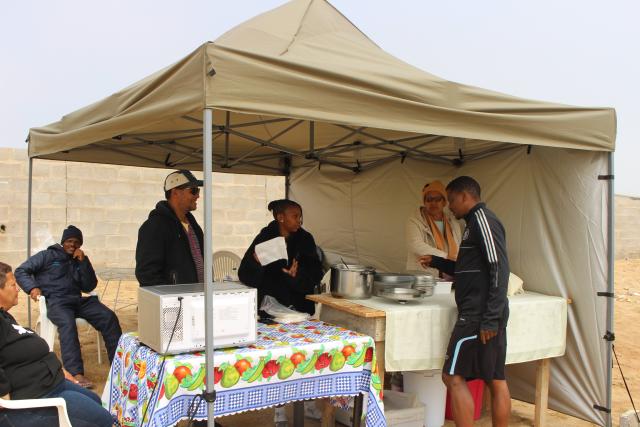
293	270
425	260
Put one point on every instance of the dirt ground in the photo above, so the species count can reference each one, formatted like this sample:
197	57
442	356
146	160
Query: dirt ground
627	317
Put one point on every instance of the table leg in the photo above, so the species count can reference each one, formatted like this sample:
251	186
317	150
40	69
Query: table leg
380	357
115	304
298	413
542	393
357	410
328	414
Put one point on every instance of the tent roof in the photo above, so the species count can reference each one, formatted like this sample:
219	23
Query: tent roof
301	84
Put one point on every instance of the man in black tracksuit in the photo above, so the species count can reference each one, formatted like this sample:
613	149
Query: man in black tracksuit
170	242
477	348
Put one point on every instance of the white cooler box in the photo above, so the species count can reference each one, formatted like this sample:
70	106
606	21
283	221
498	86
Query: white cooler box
431	391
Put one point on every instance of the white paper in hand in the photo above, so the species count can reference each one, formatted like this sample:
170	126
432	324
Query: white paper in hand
272	250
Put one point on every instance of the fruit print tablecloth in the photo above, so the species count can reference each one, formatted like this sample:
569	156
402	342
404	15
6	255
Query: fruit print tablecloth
304	360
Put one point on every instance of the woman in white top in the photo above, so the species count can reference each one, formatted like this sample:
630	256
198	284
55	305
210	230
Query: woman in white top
432	229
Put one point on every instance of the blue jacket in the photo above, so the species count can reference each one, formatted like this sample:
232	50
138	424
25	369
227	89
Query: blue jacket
57	274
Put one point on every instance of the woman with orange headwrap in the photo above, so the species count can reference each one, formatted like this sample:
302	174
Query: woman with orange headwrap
432	229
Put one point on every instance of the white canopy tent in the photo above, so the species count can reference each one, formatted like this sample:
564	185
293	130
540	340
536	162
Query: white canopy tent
300	91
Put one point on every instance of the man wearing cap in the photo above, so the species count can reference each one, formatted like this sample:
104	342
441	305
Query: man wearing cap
170	241
61	273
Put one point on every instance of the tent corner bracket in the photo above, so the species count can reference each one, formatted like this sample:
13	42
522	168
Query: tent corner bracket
609	336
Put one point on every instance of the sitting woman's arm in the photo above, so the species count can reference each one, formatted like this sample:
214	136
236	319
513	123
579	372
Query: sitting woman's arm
251	271
309	272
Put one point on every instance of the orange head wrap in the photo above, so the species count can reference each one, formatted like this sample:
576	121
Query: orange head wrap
435	186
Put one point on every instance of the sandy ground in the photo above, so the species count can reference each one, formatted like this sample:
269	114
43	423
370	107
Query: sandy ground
627	312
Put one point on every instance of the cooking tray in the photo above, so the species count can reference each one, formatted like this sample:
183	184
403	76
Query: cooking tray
382	281
402	295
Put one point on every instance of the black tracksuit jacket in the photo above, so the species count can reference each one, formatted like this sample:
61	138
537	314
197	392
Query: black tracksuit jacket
481	270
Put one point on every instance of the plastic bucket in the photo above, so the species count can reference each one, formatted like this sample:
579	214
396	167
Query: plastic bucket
431	391
476	387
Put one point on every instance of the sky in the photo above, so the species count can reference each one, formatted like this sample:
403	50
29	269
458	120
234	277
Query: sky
58	56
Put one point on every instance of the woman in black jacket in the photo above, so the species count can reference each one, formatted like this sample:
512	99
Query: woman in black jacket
291	280
28	370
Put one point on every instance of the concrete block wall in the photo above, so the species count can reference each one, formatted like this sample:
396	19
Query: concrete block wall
627	227
109	203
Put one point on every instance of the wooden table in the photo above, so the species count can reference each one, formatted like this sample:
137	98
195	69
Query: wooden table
372	322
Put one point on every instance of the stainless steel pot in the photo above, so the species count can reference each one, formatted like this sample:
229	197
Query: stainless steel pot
352	281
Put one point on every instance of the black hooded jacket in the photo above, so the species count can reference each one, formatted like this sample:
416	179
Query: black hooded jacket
271	280
28	369
163	255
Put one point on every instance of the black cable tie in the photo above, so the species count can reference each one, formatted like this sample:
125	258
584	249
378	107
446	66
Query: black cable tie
167	162
209	397
528	149
606	294
212	72
606	177
609	336
403	157
602	408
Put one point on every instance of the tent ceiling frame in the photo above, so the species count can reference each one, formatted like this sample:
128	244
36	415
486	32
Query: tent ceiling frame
170	142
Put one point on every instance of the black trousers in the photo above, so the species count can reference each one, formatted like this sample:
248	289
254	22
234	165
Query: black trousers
63	312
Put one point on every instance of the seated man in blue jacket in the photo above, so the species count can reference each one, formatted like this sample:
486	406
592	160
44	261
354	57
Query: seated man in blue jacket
61	273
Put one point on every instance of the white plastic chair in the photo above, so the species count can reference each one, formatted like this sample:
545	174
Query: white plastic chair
225	265
48	330
58	402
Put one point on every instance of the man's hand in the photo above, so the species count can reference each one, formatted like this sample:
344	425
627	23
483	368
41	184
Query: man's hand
293	270
447	277
78	254
35	294
425	260
486	335
70	377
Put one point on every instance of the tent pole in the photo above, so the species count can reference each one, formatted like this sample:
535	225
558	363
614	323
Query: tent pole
610	283
207	168
29	199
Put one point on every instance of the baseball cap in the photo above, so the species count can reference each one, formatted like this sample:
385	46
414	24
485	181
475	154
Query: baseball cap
181	178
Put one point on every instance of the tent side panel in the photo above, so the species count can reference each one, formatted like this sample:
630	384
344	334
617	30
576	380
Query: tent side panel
553	208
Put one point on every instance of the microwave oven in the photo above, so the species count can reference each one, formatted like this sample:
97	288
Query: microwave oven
163	307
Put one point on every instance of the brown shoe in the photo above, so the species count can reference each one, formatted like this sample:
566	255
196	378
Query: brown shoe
83	381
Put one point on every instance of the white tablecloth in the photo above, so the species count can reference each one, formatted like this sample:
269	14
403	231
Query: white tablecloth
417	333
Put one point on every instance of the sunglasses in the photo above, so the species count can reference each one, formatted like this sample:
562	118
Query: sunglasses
193	190
434	199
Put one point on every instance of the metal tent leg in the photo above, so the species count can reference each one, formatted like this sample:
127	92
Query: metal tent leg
29	202
610	285
208	259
